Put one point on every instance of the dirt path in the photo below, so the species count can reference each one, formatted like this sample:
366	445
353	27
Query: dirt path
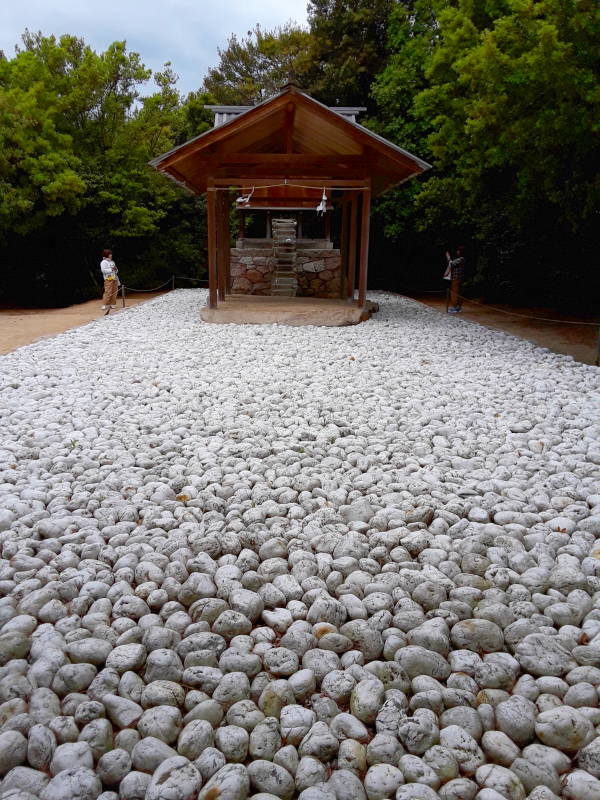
581	342
19	326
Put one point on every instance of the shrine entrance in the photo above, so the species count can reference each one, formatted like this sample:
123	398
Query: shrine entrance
292	165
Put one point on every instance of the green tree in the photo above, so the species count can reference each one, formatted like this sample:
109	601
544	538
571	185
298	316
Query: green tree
77	136
503	98
95	92
257	66
413	34
514	103
38	168
349	47
196	118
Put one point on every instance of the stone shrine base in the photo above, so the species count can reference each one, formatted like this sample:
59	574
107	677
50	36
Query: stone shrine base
258	310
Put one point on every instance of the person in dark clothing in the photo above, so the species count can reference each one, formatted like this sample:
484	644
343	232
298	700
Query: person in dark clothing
456	268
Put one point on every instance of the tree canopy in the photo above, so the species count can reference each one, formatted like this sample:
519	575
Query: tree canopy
503	98
76	135
257	66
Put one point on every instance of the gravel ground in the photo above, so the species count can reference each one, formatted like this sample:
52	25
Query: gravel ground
340	564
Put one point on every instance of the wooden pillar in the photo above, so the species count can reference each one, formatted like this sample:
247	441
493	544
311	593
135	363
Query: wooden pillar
227	243
364	247
352	247
227	233
269	231
211	198
222	242
299	225
345	210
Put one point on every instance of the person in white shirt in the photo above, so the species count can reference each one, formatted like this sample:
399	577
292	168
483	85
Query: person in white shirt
110	273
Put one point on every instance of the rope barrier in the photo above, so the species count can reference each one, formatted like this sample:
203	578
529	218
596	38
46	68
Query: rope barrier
421	291
535	319
129	288
171	281
527	316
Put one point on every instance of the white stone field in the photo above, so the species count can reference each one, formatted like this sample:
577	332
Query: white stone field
269	562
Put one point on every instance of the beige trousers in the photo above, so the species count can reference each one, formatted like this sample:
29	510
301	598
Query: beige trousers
454	293
111	287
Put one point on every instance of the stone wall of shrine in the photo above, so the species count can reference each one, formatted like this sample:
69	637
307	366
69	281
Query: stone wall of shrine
319	271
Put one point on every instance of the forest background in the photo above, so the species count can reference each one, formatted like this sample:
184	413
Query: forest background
501	96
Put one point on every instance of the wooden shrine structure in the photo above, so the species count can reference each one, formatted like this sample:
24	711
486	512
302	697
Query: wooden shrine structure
289	155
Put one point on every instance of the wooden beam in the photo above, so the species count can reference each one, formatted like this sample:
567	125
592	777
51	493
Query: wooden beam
295	159
364	247
327	177
247	183
352	248
211	200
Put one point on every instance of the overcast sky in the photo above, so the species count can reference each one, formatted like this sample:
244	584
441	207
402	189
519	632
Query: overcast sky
185	32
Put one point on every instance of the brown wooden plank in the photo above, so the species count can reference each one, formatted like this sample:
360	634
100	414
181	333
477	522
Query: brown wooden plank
296	160
364	247
211	198
326	177
303	180
352	247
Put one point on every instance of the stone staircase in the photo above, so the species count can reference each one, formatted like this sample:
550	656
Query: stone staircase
284	282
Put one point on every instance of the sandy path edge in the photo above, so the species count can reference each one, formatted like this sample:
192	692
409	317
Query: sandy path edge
21	326
580	342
